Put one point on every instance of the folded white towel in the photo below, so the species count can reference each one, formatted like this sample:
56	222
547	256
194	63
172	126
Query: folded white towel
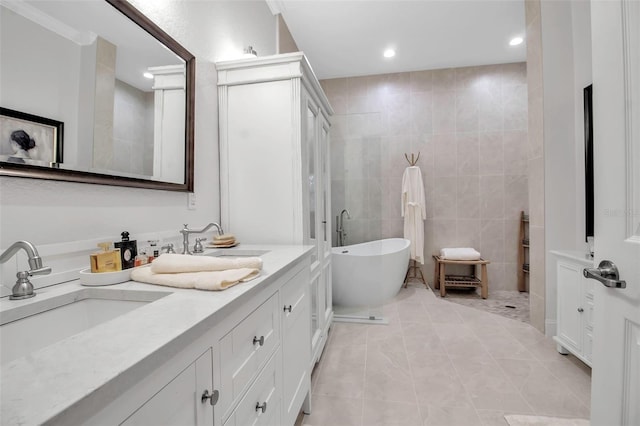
203	280
464	253
171	263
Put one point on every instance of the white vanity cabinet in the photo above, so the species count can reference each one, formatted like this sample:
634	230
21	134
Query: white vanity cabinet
255	362
575	306
180	402
274	165
245	350
296	335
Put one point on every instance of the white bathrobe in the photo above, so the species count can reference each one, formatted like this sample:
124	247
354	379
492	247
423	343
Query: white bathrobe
414	211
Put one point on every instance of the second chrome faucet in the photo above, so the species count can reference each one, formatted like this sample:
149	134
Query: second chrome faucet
342	234
186	231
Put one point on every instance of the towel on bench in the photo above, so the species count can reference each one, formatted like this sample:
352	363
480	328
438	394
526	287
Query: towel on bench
464	253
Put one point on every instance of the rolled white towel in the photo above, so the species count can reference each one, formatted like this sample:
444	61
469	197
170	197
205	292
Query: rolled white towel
203	280
171	263
464	253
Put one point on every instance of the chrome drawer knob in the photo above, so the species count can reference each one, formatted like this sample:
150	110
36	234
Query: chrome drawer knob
262	407
213	397
260	341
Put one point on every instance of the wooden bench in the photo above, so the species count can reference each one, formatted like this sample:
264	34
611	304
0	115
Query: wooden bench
442	280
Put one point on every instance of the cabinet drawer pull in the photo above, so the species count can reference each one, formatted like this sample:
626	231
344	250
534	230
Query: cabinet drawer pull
262	407
287	308
213	397
580	310
259	341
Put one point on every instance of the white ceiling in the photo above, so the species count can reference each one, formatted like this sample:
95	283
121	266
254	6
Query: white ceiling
77	20
344	38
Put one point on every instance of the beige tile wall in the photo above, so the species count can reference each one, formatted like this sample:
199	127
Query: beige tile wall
535	160
103	113
285	41
469	126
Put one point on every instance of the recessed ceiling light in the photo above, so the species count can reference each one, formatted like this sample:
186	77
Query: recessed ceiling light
516	41
389	53
147	75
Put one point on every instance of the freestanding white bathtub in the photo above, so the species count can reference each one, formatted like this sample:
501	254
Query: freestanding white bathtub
369	274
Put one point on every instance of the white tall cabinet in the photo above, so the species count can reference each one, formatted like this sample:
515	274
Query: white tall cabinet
274	165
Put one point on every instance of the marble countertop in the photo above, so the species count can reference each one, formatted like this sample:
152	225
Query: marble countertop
90	369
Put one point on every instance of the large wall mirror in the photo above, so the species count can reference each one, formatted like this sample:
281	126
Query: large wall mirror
93	91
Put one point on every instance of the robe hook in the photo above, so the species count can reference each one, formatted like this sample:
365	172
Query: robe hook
414	159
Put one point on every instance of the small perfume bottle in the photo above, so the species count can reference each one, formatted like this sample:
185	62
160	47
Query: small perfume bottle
128	250
141	259
153	251
107	260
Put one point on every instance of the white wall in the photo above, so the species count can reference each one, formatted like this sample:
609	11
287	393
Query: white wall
49	212
49	64
566	49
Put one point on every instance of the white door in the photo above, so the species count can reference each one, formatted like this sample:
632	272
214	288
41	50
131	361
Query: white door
616	100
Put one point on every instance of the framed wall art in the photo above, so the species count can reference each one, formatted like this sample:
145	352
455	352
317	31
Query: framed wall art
30	139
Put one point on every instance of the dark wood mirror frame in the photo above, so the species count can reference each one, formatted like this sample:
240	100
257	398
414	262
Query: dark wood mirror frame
28	171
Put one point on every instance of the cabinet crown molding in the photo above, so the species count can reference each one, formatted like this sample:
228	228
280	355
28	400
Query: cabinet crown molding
272	68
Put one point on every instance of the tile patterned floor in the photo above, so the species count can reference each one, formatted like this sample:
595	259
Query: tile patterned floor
442	363
510	304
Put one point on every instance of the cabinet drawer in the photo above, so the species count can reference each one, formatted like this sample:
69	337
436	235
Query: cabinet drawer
246	349
261	405
294	297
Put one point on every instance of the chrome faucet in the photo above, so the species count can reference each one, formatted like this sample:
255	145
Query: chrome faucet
23	289
342	235
186	231
168	248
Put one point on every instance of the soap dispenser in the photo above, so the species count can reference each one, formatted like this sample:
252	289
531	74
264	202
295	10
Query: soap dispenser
128	250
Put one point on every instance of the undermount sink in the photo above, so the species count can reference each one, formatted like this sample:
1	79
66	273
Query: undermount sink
32	326
238	253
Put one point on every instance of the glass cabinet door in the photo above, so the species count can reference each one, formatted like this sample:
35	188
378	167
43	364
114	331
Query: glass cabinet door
325	197
312	178
325	202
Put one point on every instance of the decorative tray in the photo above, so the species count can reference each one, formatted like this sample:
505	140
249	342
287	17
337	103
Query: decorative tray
223	245
91	279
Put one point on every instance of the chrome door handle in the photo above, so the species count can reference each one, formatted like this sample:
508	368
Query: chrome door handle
606	273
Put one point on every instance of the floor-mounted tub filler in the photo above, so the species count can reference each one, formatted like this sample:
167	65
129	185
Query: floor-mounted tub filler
367	275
